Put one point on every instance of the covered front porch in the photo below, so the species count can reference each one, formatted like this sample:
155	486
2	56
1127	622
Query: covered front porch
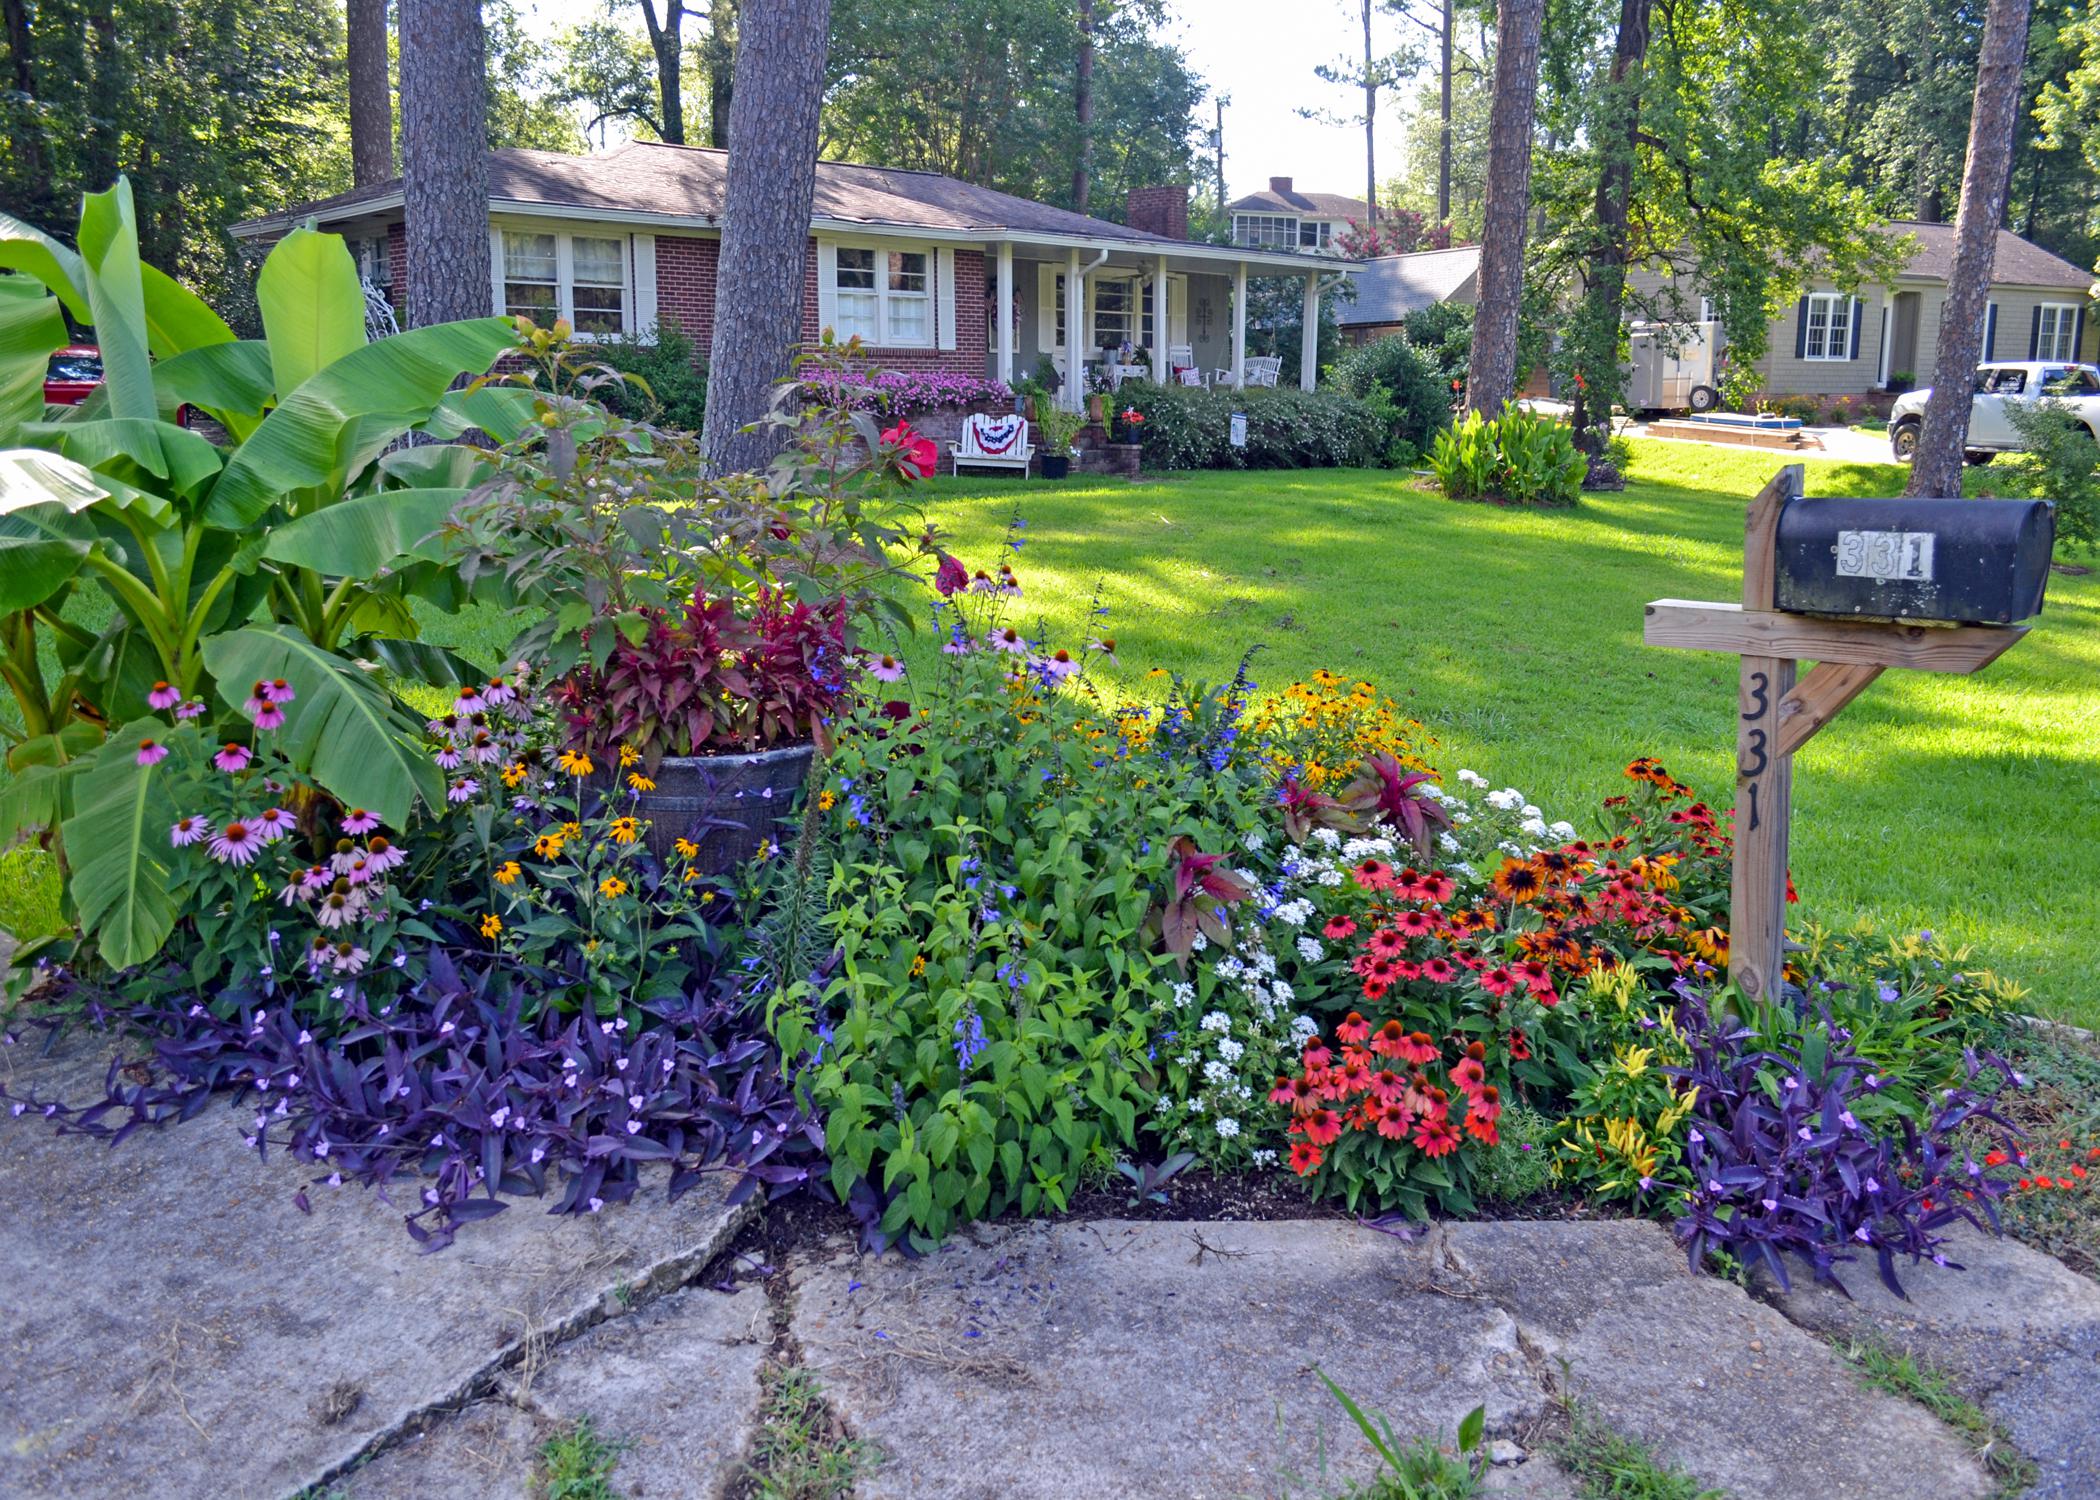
1135	312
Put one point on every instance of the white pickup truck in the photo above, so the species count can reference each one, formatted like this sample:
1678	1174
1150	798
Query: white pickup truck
1998	387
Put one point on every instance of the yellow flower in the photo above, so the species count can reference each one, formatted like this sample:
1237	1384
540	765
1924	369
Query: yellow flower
547	845
514	773
508	872
491	925
625	830
612	887
575	764
629	756
686	848
918	966
706	897
765	849
640	782
826	801
572	830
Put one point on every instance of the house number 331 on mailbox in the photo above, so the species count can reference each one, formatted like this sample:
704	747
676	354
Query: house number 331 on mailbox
1856	587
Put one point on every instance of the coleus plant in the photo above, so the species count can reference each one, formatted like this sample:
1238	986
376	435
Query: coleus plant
1202	889
1783	1165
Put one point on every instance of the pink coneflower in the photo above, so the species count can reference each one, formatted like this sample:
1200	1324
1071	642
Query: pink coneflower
981	583
1008	584
382	856
232	758
269	716
348	959
1006	638
462	789
445	724
162	696
885	668
341	906
470	701
499	691
484	751
359	871
277	690
188	831
273	823
296	891
236	844
316	878
1057	665
448	759
151	752
1106	646
194	709
357	822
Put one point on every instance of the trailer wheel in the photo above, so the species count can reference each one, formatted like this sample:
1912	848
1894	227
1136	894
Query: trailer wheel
1704	398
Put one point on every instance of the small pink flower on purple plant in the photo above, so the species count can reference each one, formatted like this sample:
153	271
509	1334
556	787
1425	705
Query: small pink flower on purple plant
357	822
232	758
151	752
885	668
187	831
163	696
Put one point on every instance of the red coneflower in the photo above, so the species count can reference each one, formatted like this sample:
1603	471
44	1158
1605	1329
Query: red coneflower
1393	1121
1305	1158
1391	1040
1498	981
1517	881
1354	1029
1438	887
1519	1046
1435	1137
1374	875
1323	1127
1338	928
1468	1074
1439	970
1415	923
1418	1048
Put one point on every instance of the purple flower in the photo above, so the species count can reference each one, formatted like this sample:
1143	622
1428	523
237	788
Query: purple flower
151	752
163	696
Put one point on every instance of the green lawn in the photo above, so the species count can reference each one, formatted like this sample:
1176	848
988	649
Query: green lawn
1970	805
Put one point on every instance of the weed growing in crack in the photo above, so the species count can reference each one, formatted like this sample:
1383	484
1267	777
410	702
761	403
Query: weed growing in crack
802	1452
577	1464
1608	1465
1898	1373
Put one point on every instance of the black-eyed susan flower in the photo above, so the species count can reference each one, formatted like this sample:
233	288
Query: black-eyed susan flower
508	872
686	848
612	887
629	756
640	782
547	845
491	926
624	830
575	763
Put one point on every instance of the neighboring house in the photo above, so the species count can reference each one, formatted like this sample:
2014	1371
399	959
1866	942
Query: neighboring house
1831	343
1389	287
1286	219
915	263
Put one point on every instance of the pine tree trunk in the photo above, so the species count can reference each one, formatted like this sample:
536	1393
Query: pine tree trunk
721	70
1604	298
444	159
1443	144
1935	470
1083	108
765	234
371	102
665	41
1491	372
1370	124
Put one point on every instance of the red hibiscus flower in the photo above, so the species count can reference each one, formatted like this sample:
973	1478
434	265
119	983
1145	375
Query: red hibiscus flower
917	457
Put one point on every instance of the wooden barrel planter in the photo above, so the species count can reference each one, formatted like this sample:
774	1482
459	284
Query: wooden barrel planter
727	804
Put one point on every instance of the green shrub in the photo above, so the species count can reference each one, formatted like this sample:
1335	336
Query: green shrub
673	374
1419	393
1519	457
1190	427
2068	461
1801	408
1443	333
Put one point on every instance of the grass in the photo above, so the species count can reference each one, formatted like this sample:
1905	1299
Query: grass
1891	1370
1933	801
802	1453
1608	1465
577	1464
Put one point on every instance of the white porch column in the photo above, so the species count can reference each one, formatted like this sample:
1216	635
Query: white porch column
1309	335
1239	325
1074	390
1159	321
1005	314
1888	335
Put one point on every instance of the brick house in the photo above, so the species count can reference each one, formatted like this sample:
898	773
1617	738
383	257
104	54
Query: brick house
914	262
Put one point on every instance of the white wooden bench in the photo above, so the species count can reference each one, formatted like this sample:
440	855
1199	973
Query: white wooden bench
992	442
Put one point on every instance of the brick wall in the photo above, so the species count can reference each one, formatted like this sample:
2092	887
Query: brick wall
397	267
685	285
1158	210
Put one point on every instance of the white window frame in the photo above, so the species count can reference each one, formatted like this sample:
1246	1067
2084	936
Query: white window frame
885	295
565	237
1835	332
1265	231
2057	327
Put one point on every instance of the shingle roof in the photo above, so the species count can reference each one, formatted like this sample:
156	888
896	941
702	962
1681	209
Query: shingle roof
692	182
1391	286
2016	262
1319	205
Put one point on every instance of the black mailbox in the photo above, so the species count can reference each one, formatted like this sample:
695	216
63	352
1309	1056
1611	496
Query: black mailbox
1959	561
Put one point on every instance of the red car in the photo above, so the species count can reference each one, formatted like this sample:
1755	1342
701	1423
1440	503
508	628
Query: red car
75	370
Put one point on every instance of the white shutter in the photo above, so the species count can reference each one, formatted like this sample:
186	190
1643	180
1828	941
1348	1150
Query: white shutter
944	298
827	285
496	270
644	322
1048	336
1177	309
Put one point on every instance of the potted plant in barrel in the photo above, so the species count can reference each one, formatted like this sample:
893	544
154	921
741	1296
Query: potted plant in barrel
700	632
1056	427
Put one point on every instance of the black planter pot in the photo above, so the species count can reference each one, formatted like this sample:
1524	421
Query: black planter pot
1057	465
727	804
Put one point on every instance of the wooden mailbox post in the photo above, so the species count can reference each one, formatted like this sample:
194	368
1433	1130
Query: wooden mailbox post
1905	568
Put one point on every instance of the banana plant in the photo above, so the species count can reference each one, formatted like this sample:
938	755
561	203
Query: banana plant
286	551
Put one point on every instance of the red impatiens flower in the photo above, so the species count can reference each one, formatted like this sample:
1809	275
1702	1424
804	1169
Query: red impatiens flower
917	457
1435	1137
1354	1029
1305	1158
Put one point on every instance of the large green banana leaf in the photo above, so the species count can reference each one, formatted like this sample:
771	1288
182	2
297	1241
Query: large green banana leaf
117	840
231	381
109	249
302	444
31	326
30	476
341	729
29	250
41	546
176	318
313	306
356	538
181	458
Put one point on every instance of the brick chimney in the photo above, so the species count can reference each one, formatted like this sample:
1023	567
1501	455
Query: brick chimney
1158	210
1280	185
